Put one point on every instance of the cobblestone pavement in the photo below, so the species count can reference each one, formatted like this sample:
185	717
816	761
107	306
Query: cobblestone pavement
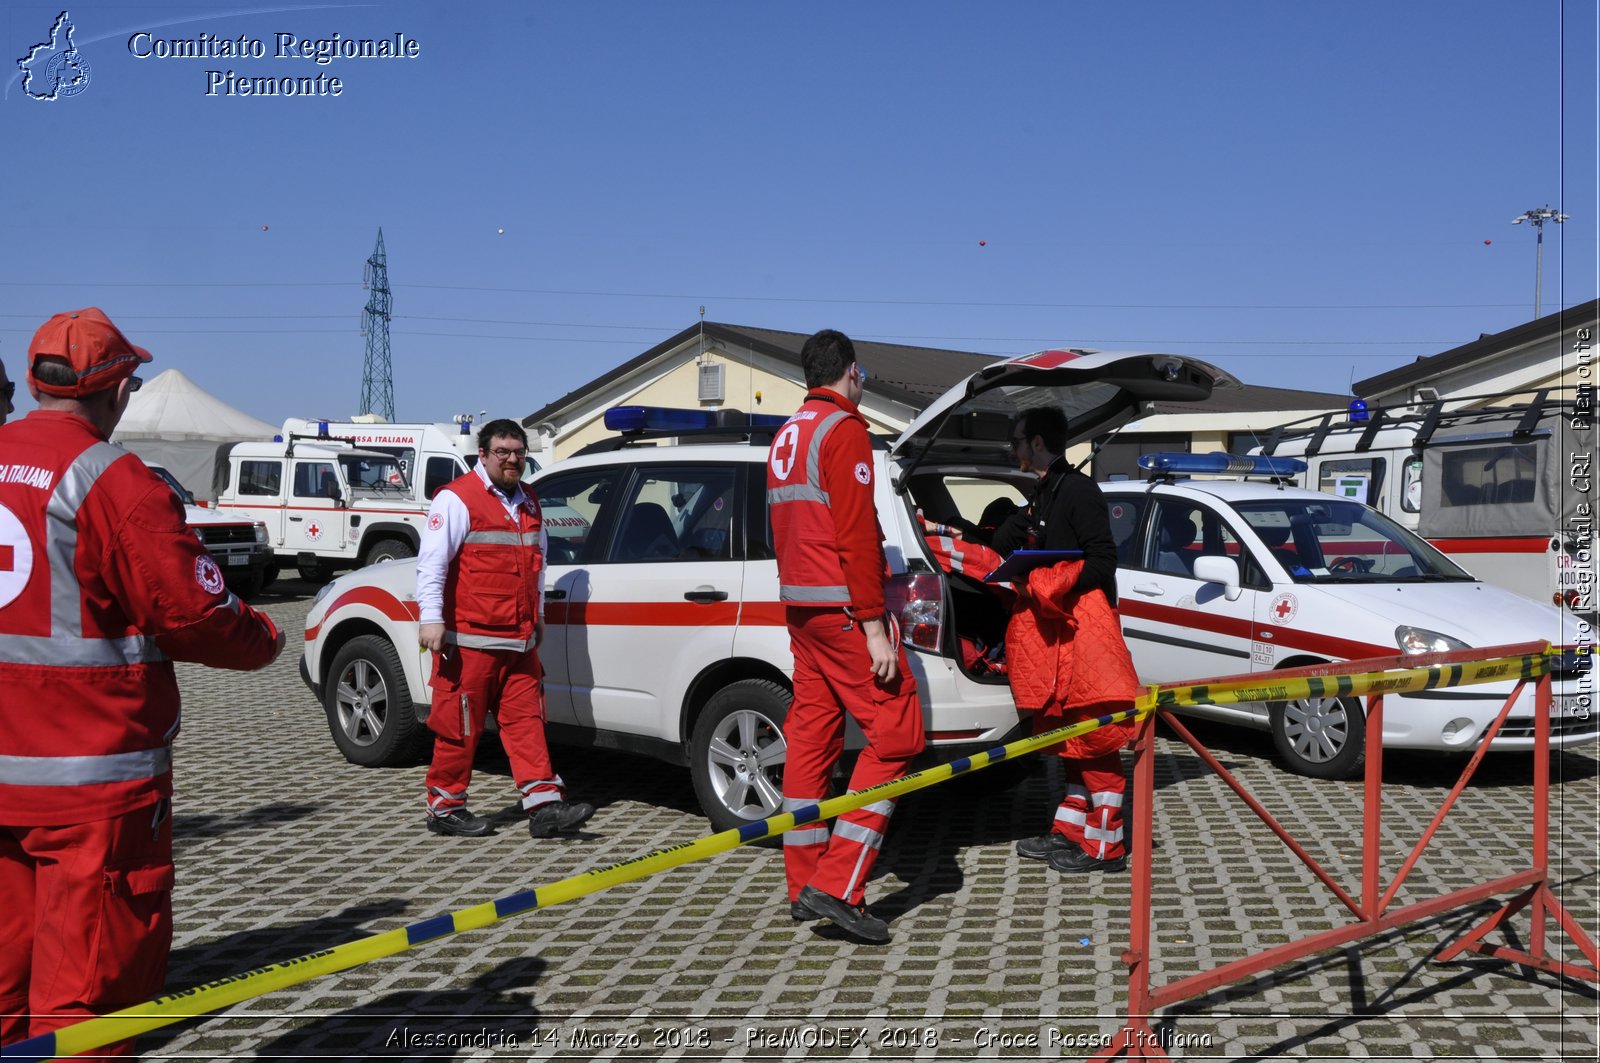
284	849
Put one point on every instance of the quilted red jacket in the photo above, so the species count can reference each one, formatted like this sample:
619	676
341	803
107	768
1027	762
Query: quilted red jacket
1065	656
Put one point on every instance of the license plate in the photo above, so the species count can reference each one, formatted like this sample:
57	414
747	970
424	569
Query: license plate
1573	706
239	559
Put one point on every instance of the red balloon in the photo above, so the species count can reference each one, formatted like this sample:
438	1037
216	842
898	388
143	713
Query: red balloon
263	228
1486	243
983	243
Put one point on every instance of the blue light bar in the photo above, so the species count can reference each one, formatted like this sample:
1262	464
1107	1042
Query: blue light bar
1219	463
669	419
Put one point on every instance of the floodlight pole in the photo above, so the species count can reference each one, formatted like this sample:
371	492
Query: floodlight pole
1538	218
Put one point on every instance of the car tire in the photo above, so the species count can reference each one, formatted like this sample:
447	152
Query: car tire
248	586
1323	737
269	575
368	703
314	571
389	550
736	753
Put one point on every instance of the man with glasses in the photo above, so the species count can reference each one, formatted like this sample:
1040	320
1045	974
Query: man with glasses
102	586
847	653
1065	655
480	592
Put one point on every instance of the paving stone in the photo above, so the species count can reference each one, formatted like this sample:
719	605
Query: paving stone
284	848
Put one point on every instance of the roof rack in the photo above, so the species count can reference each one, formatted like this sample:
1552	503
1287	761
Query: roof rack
1427	414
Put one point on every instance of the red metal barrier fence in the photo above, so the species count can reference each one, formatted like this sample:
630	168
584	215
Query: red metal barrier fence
1372	913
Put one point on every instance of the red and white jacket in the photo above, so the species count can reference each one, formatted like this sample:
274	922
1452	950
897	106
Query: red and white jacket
102	586
481	565
824	523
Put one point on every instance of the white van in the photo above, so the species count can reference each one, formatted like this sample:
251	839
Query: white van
1506	489
429	454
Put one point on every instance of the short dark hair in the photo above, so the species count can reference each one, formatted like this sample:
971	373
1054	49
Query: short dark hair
827	356
53	369
500	428
1047	422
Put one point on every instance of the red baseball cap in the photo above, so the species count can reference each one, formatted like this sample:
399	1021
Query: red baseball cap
88	342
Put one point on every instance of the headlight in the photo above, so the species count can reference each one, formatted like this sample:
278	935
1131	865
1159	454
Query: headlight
322	592
1421	640
261	531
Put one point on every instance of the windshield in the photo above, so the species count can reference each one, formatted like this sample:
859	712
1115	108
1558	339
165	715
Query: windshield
1344	542
367	472
177	488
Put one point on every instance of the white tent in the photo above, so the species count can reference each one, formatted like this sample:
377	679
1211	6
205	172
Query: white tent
174	422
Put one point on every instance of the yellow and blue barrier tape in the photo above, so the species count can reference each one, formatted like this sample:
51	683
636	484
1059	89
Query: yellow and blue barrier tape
211	996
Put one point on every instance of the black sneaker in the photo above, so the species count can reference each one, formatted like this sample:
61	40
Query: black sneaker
1045	846
855	922
460	823
1076	861
554	817
800	913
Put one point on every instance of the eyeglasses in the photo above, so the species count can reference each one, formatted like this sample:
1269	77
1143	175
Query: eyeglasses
1017	441
508	454
135	383
8	391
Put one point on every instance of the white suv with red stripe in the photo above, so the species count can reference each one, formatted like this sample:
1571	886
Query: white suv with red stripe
1225	577
664	633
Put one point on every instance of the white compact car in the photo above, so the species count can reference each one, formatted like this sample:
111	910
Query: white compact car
664	633
1224	577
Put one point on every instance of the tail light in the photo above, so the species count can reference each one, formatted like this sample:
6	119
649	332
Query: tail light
916	601
1569	598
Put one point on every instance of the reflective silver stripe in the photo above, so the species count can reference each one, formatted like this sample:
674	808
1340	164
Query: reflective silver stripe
85	771
61	534
855	832
825	595
806	836
814	452
488	642
503	538
882	808
527	787
796	493
77	652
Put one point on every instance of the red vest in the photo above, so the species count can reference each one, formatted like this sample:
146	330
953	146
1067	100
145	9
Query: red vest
809	572
491	591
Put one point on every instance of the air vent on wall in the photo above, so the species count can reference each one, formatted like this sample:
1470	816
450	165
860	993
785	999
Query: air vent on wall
711	382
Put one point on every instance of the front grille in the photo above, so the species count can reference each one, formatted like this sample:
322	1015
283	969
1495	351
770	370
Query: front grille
1566	727
226	534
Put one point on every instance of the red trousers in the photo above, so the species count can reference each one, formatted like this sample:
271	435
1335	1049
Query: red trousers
85	920
465	684
833	676
1091	813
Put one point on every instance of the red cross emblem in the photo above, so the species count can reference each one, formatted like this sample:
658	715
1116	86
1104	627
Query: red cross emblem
1283	608
784	449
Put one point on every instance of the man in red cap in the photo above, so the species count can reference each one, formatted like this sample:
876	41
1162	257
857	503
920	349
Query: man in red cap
102	586
847	653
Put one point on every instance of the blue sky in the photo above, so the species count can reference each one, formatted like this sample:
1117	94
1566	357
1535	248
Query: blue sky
1304	194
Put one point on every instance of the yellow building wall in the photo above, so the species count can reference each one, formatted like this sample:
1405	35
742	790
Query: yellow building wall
679	387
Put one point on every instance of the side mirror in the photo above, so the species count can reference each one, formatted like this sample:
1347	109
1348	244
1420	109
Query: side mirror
1223	570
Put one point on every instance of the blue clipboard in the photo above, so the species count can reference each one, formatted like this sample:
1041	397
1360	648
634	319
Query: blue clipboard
1022	562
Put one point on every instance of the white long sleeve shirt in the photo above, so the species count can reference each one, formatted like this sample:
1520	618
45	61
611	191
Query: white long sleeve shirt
442	535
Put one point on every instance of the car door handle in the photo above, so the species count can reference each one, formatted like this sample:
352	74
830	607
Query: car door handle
297	518
555	596
706	594
1149	590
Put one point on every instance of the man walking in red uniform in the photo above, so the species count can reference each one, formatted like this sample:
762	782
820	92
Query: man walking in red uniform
480	574
102	586
847	654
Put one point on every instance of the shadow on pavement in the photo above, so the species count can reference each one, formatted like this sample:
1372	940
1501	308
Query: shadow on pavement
492	1013
1404	994
187	829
